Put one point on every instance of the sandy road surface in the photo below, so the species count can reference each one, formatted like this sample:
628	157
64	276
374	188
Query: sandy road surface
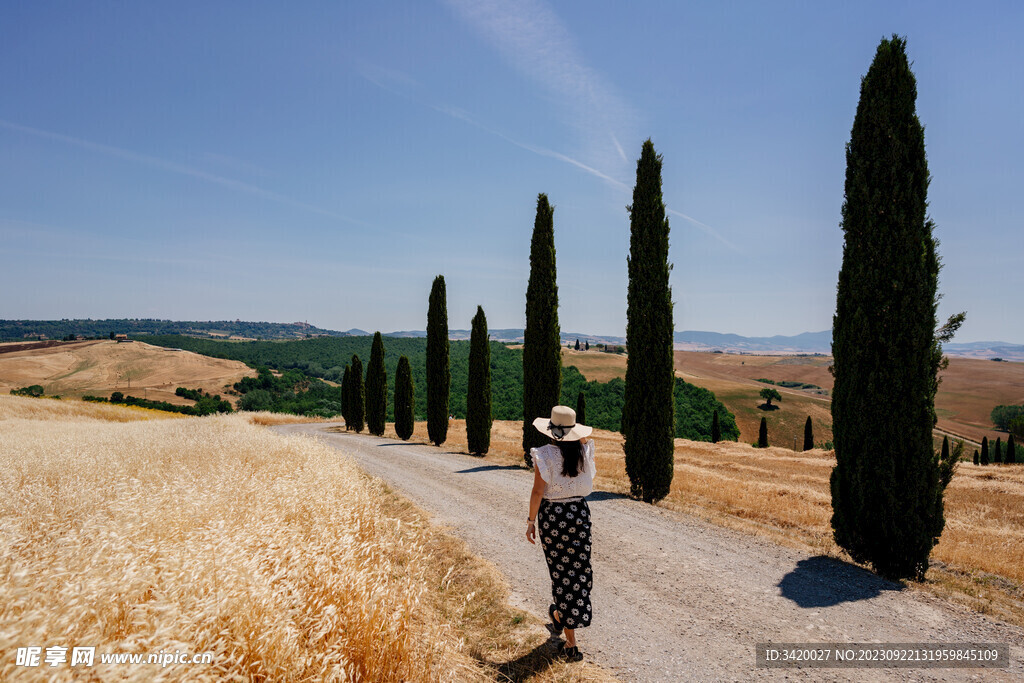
676	598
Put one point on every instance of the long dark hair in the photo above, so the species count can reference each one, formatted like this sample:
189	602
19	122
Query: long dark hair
572	457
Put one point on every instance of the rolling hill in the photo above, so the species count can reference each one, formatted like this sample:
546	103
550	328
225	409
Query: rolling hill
76	369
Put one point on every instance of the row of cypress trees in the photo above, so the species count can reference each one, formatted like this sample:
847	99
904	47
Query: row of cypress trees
648	414
365	404
887	486
996	455
478	395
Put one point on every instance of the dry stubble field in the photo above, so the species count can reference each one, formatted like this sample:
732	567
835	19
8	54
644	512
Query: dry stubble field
101	367
969	390
784	495
131	533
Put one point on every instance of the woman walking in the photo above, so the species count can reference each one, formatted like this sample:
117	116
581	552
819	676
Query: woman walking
563	475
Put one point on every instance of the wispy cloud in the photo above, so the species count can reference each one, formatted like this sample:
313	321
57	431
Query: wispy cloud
707	229
530	36
173	167
403	85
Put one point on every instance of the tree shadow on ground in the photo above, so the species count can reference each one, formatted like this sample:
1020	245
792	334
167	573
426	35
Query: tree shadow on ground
768	406
403	443
487	468
825	581
528	665
605	495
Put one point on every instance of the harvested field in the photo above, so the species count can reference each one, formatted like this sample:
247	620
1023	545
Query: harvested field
100	367
970	389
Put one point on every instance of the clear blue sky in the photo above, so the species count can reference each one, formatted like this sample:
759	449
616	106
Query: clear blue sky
324	161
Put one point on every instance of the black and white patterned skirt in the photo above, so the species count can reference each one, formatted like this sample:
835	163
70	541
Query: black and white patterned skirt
564	528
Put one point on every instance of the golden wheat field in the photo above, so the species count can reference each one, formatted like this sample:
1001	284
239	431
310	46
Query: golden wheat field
214	535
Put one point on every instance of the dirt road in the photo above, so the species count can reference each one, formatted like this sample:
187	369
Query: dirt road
676	598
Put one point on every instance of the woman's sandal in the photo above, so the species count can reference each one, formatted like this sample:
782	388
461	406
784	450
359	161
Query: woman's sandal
555	627
570	654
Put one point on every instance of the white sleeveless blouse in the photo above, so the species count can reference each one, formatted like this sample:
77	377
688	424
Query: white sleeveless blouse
548	462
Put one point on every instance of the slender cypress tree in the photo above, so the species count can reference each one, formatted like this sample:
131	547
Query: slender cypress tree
376	388
581	408
542	347
977	458
439	374
808	434
716	428
648	411
997	452
405	400
357	399
886	491
478	391
945	449
762	434
984	450
1011	451
346	397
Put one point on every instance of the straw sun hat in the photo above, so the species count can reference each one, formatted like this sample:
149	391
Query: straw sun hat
561	426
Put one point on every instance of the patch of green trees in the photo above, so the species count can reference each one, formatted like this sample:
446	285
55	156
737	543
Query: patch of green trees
297	391
1004	416
293	392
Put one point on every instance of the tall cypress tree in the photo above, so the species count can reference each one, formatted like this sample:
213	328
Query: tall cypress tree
376	388
648	411
808	434
716	428
405	400
762	434
977	458
886	492
581	408
439	374
1011	451
346	397
478	391
542	348
357	397
945	449
984	450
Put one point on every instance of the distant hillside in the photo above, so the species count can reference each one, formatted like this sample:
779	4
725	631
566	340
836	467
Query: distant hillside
807	342
821	343
513	336
18	330
690	340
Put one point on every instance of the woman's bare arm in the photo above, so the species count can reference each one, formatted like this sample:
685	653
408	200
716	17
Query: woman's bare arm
535	497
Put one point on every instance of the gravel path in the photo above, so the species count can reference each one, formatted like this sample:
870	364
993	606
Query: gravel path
676	598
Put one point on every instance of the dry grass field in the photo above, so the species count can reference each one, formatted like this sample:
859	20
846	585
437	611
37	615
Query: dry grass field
216	535
784	495
101	367
969	390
